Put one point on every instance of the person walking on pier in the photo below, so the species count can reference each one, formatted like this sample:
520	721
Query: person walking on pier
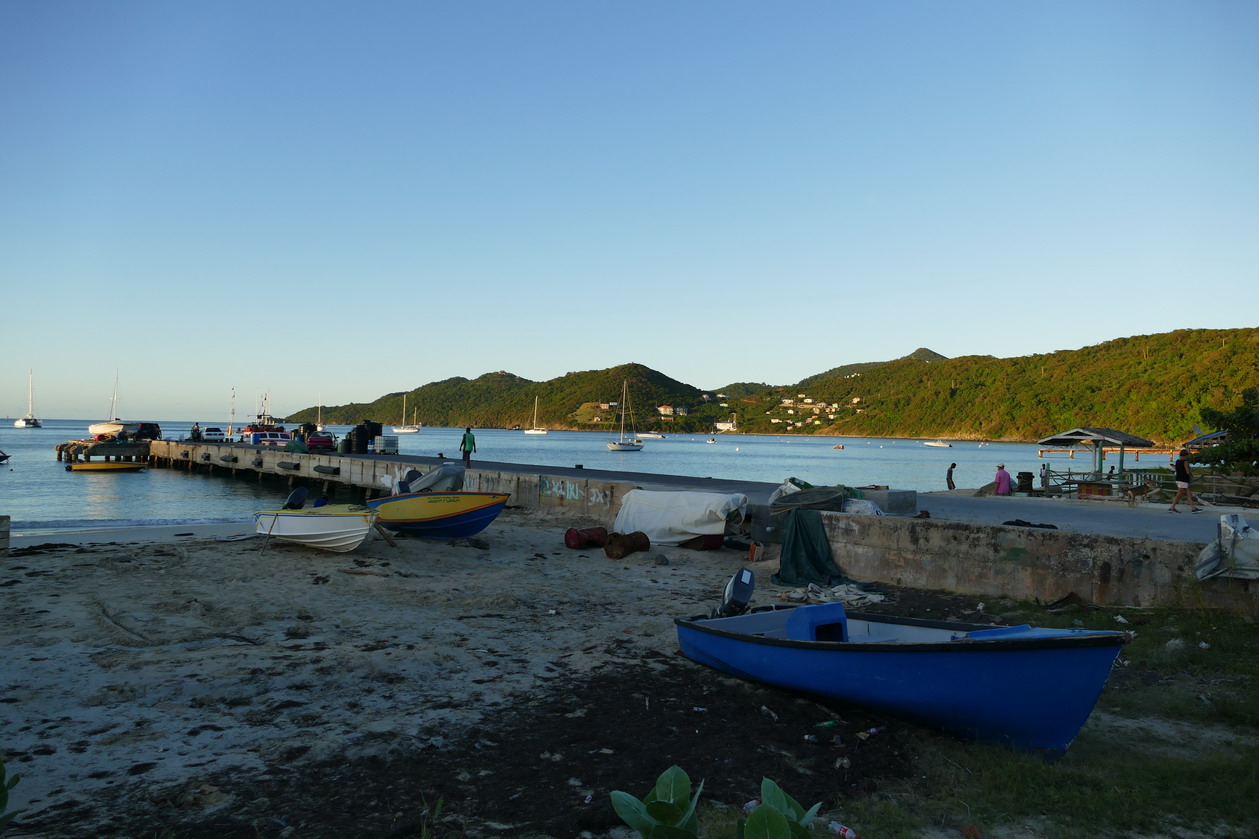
948	476
1184	477
467	446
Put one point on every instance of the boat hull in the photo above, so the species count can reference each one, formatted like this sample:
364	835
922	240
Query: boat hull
27	422
439	515
338	528
1025	687
624	446
104	466
113	428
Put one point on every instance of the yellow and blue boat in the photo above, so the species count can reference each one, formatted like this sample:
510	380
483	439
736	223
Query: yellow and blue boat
439	515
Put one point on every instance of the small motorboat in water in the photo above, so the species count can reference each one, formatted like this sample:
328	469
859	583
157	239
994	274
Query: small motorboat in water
1028	687
105	466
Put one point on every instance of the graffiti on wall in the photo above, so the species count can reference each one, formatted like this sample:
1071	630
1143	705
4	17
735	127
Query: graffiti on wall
574	491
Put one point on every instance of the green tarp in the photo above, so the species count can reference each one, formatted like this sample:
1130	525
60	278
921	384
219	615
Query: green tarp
806	552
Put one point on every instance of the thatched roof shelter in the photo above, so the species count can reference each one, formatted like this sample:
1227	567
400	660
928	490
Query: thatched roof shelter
1098	439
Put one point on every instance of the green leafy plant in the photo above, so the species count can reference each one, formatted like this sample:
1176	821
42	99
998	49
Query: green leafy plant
668	811
779	816
6	784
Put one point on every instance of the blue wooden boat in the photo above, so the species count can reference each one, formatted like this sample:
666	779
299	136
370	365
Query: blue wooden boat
1028	687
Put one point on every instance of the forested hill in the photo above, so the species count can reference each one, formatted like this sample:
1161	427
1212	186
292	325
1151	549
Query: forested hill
1149	385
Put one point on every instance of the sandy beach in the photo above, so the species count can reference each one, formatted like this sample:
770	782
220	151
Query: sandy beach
185	680
153	669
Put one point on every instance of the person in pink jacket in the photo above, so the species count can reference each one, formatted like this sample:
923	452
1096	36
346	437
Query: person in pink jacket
1003	480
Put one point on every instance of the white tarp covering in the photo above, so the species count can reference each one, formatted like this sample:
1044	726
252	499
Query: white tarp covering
1234	554
670	518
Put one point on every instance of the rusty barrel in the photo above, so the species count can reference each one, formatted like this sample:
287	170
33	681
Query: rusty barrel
623	544
594	537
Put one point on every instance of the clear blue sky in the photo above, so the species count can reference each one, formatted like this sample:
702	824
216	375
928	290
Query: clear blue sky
348	199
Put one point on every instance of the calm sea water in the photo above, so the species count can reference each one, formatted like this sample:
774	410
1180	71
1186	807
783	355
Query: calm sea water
38	493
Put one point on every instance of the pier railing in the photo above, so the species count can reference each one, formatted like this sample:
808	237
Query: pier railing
1161	482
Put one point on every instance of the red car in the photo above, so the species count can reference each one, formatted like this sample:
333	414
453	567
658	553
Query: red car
321	440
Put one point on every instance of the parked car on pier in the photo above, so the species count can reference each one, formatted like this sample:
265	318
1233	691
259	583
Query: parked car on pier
213	435
321	441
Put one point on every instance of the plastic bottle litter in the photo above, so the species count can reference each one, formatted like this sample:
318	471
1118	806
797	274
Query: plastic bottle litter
826	724
697	709
842	831
750	806
810	738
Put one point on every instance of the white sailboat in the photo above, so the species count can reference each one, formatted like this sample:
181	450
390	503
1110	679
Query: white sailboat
623	443
413	428
30	420
535	429
319	415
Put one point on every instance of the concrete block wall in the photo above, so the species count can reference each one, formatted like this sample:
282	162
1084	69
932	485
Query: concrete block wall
1021	562
599	499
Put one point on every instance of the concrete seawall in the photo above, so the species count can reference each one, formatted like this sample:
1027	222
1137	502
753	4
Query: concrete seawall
1032	563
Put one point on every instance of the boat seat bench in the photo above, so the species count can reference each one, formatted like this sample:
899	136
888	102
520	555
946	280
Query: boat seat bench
822	622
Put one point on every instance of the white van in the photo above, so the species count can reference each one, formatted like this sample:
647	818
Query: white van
266	438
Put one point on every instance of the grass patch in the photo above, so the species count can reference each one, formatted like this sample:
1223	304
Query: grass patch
1172	746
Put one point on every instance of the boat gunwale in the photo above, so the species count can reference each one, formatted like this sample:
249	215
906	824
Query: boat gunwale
1082	638
488	502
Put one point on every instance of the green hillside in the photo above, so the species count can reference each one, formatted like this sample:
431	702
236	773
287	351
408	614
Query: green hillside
1149	385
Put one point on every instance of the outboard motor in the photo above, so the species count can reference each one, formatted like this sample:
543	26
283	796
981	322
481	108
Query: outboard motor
737	595
296	499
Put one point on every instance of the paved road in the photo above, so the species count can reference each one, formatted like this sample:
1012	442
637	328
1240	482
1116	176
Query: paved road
1107	517
1111	518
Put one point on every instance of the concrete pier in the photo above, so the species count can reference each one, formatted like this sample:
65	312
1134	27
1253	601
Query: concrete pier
76	450
588	492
